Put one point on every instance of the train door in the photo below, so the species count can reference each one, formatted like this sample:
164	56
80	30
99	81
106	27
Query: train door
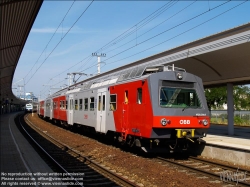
125	115
70	109
101	110
45	108
51	109
48	108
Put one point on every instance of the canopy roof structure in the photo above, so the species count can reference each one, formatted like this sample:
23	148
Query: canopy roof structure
218	59
17	18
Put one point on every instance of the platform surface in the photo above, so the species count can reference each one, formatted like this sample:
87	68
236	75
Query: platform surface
17	154
217	135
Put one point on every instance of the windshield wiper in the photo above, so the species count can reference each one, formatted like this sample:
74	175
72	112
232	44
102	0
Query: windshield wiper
190	107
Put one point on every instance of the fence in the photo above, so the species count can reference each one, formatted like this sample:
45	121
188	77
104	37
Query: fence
240	117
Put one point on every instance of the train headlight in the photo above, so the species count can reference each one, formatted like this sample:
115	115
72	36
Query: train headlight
205	122
164	122
179	76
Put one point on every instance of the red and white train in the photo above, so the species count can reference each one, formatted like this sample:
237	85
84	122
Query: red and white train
147	107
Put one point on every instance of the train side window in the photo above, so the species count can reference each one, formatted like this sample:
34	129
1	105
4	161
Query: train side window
112	102
139	95
63	104
103	102
86	104
60	104
99	103
48	106
92	103
54	105
126	97
66	105
80	104
71	104
76	104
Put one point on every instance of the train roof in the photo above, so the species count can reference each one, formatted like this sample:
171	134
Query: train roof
117	77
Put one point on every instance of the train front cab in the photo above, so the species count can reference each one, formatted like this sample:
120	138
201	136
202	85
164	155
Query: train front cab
180	113
161	111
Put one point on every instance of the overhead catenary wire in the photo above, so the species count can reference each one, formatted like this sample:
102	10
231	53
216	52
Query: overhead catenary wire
50	39
141	42
88	58
128	32
156	26
169	29
138	26
61	40
175	35
178	34
151	28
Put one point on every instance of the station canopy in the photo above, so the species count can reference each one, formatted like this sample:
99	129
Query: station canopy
17	18
218	59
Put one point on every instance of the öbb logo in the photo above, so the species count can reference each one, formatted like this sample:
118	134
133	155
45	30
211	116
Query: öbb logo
184	121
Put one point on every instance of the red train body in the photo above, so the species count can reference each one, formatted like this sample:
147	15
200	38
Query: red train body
149	111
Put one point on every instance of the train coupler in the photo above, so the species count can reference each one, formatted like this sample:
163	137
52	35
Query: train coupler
185	133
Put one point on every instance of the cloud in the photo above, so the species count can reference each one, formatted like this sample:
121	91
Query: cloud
69	48
43	30
60	30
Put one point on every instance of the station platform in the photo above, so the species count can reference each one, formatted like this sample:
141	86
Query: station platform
217	134
234	149
21	165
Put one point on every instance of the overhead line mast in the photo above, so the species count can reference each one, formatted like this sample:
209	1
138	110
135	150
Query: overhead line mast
99	61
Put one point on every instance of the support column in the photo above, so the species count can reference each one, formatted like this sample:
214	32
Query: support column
8	107
230	109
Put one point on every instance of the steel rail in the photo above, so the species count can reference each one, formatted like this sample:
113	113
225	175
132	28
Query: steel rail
41	148
223	166
212	174
94	165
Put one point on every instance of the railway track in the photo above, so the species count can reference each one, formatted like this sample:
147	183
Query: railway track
218	173
77	169
212	172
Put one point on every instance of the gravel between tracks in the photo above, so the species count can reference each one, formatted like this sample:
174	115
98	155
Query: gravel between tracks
142	170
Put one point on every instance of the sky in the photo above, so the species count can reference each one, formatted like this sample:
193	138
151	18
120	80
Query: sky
66	33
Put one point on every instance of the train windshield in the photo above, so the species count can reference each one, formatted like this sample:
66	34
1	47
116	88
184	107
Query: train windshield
179	98
28	105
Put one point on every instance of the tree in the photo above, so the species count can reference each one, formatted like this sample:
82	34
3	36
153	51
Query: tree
216	97
241	97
